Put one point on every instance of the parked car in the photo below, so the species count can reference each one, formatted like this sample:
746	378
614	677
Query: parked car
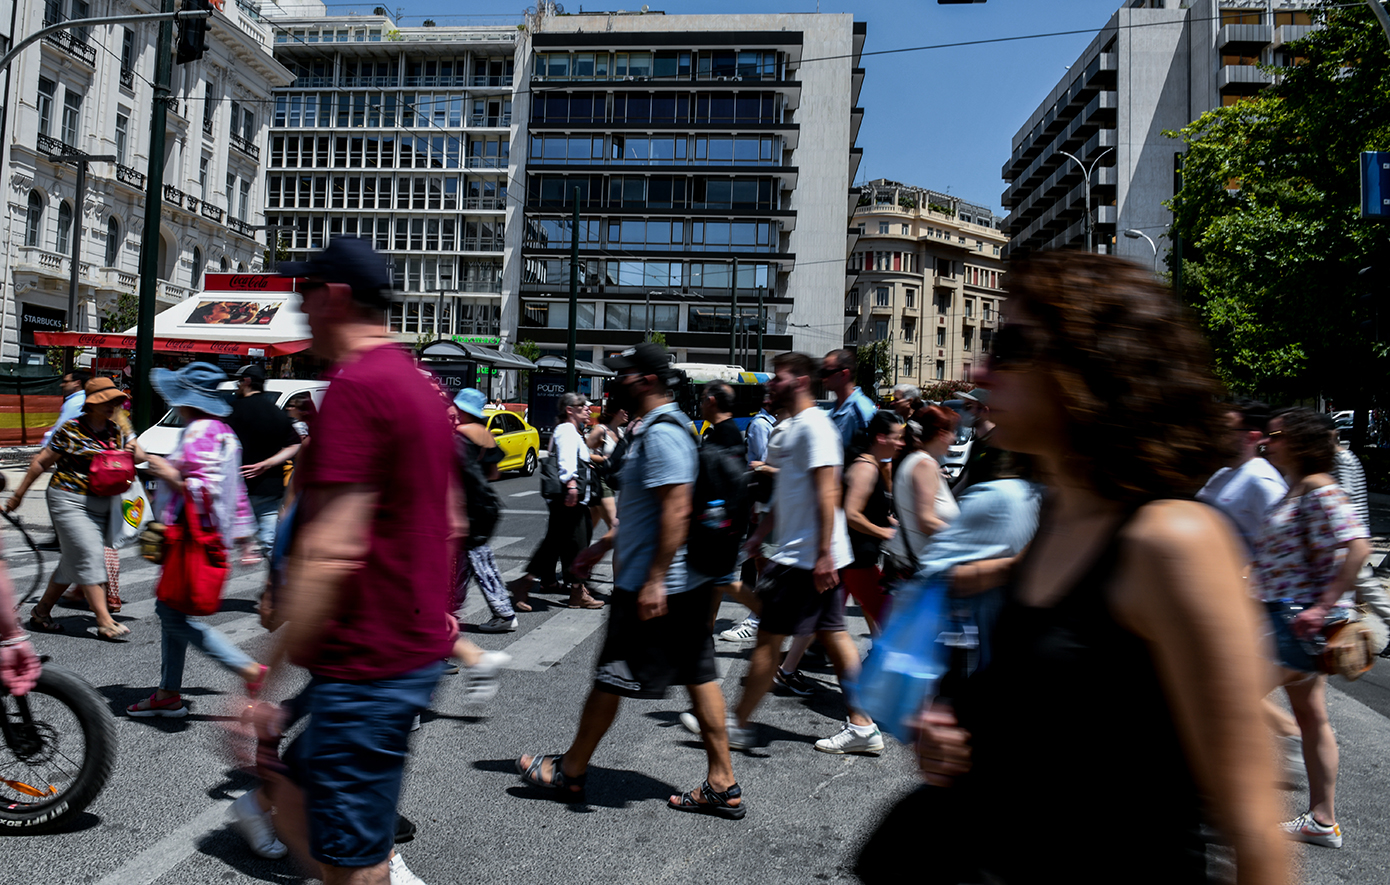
519	441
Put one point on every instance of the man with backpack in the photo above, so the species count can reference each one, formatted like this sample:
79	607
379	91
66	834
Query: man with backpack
658	631
478	456
722	484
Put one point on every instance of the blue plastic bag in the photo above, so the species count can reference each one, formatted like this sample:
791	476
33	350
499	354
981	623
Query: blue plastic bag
908	658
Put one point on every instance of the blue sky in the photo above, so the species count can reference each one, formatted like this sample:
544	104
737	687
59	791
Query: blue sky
940	118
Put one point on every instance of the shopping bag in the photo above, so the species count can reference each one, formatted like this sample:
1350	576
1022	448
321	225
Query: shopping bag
129	514
907	659
195	565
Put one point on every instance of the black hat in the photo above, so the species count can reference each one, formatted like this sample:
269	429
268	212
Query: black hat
251	371
351	261
646	358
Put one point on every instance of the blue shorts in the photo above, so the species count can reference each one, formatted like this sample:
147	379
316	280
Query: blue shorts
1292	652
350	761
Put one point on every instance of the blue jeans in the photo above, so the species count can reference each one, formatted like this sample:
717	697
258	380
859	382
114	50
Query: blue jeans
266	509
177	632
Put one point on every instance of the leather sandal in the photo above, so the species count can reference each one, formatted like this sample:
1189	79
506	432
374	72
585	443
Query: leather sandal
44	623
711	801
569	788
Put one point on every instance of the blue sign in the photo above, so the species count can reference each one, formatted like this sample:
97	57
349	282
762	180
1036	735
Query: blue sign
1375	185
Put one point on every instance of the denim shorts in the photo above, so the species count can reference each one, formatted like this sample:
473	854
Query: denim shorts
1292	652
350	761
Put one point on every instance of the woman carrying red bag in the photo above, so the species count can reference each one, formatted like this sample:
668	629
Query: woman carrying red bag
207	511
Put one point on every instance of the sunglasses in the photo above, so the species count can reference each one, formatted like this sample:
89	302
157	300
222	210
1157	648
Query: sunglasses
828	373
1013	347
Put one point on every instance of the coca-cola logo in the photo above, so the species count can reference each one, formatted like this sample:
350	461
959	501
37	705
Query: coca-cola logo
249	281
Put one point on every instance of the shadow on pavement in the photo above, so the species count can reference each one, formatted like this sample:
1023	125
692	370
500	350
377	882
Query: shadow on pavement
228	847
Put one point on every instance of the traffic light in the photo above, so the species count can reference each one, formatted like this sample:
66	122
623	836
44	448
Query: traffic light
193	33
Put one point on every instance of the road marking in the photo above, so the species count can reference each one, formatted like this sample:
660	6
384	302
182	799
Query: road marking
545	646
169	852
524	494
531	512
504	541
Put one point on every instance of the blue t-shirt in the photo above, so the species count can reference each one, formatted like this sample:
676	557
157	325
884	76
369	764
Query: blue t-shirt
658	454
853	416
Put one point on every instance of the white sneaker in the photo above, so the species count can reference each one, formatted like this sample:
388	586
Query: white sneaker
1305	828
499	625
849	740
256	827
744	632
739	738
481	685
401	874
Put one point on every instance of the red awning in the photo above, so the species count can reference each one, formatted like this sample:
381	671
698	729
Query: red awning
116	341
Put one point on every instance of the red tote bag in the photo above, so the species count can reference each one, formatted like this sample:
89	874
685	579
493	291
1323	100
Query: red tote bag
195	565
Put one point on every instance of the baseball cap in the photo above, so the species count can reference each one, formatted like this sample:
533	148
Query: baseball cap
351	261
251	371
979	395
646	359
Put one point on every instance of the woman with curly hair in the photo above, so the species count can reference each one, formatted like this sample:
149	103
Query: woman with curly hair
1120	712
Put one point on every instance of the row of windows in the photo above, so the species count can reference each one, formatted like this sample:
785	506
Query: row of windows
641	150
941	302
424	274
384	192
659	274
418	72
657	107
458	316
634	317
704	64
387	152
660	234
401	234
656	192
357	110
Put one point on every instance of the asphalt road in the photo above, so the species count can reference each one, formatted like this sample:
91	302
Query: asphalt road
161	817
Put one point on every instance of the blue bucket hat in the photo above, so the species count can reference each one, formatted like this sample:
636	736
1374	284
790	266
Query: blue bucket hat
194	386
471	401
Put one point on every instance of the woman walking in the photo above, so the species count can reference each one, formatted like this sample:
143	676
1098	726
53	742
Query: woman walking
80	517
867	507
922	502
570	526
206	464
1307	557
479	461
602	441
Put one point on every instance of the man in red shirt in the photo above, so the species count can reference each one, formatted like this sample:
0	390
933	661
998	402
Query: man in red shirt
366	597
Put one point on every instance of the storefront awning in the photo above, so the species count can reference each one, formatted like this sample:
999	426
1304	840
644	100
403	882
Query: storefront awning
118	341
582	367
460	350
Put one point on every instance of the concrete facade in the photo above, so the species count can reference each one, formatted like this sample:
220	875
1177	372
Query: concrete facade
1156	65
91	93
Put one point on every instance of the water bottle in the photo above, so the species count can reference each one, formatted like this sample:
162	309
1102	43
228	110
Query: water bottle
715	518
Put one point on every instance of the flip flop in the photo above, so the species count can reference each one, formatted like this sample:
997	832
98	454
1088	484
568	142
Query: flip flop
118	633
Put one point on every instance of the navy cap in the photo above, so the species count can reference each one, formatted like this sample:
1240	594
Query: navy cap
351	261
646	358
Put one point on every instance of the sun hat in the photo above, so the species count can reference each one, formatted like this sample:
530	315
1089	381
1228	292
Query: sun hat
194	386
471	401
351	261
102	390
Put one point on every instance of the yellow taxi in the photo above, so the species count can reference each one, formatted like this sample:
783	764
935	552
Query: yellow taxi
518	440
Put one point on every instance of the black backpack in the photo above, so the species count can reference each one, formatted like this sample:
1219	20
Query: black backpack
482	503
611	470
722	476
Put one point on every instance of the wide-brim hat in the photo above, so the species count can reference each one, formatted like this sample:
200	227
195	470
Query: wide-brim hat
101	390
194	386
470	401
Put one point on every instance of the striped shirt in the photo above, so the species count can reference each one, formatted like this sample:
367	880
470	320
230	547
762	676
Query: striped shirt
1346	470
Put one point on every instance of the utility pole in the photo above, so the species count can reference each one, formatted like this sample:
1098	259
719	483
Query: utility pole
154	195
733	312
571	383
81	160
761	322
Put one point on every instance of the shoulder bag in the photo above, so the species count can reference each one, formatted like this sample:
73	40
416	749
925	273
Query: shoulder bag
112	472
195	565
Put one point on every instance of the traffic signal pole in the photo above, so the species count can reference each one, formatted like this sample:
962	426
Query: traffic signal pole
149	247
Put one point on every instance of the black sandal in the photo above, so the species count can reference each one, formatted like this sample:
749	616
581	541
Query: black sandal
570	787
715	802
44	624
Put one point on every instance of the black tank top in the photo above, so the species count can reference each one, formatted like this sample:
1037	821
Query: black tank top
1078	774
866	547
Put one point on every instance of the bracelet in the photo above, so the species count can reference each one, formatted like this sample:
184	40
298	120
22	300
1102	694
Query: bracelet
14	640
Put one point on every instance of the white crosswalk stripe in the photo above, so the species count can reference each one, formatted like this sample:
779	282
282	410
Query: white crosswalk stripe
524	494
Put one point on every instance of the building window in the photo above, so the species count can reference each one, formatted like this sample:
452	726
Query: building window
881	296
883	227
942	301
231	190
967	336
72	116
861	228
940	336
122	137
203	177
940	370
965	371
943	267
909	328
245	205
197	267
906	229
970	307
127	49
113	241
64	226
987	309
907	365
33	221
47	90
880	330
852	302
910	298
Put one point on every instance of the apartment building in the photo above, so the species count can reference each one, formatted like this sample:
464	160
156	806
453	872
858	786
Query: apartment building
711	156
926	274
1156	65
403	136
89	91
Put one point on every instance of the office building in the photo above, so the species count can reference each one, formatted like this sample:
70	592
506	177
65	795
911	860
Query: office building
90	91
926	275
1156	65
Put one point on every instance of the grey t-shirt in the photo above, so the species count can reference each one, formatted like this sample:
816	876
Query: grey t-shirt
658	454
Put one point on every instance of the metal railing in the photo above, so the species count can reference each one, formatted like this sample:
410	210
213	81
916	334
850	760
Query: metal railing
487	162
480	286
496	244
72	44
247	147
174	196
240	227
47	144
127	78
207	120
172	104
495	121
484	80
213	212
130	176
485	202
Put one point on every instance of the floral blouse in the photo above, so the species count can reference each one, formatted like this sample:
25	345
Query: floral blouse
1299	547
208	457
76	446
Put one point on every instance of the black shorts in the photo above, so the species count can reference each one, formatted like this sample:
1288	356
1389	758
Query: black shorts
793	607
643	659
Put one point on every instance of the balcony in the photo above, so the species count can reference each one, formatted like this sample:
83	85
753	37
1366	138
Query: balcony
174	196
128	78
1243	39
129	176
207	120
241	227
72	44
496	244
173	105
211	211
1241	79
312	83
487	162
481	82
492	203
495	122
47	144
247	147
1285	34
494	286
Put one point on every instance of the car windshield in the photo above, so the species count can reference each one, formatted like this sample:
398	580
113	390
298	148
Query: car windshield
172	418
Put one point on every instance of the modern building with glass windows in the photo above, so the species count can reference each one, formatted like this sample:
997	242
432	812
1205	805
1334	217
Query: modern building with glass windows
402	136
709	157
90	91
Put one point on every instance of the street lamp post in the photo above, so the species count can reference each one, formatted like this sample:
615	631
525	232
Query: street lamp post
1086	173
271	230
1135	235
81	161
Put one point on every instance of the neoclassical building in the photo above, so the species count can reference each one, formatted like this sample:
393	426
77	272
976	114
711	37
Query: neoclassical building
90	92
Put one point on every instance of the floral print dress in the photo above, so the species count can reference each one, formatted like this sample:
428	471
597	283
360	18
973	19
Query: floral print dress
1299	548
208	457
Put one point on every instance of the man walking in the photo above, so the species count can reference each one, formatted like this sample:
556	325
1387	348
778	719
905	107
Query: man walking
852	408
1246	488
368	588
658	632
268	440
800	590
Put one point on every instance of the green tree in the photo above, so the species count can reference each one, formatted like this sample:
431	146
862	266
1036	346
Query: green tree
531	351
875	367
1269	219
657	338
123	314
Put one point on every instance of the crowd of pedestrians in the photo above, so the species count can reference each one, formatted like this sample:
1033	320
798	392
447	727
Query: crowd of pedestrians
1140	563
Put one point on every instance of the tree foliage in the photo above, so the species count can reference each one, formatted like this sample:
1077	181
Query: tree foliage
875	366
1269	217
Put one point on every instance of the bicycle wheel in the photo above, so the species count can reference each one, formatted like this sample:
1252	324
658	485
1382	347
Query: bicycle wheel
55	762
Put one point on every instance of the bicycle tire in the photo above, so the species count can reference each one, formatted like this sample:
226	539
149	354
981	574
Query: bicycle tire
89	709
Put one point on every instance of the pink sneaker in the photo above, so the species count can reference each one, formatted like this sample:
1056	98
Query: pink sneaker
172	708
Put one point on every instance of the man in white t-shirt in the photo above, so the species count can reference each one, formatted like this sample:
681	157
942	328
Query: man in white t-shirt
1247	488
800	589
